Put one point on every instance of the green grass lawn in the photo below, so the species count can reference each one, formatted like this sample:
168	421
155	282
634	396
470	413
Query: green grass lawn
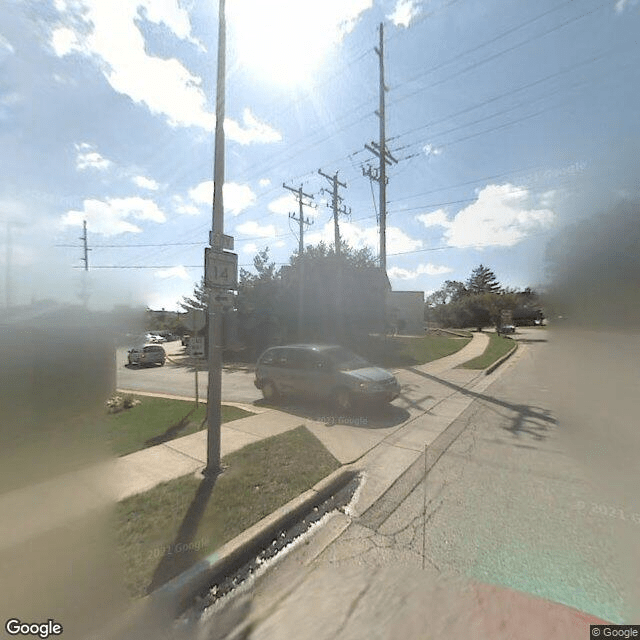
162	532
498	346
157	420
400	351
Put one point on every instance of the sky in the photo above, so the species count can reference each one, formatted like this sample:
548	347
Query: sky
510	120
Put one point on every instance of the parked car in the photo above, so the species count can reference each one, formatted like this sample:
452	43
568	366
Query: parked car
326	371
508	328
149	354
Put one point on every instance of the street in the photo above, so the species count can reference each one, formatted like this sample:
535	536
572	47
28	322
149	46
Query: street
504	505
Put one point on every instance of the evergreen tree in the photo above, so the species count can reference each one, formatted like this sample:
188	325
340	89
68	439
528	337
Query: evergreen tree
483	280
199	300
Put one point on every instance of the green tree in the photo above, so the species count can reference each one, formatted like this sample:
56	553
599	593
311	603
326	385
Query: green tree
199	300
343	296
483	280
263	319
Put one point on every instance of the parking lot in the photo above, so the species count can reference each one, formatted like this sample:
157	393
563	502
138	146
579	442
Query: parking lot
177	377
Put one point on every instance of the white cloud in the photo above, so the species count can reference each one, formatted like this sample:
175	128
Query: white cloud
6	48
237	197
422	269
202	193
622	4
431	150
250	247
546	198
107	33
502	215
284	205
399	242
252	228
89	158
64	41
437	218
251	130
110	217
174	272
184	207
404	12
357	237
146	183
264	182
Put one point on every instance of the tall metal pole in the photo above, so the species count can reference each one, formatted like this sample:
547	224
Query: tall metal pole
383	154
214	306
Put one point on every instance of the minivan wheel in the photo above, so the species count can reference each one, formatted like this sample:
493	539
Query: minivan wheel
269	391
344	400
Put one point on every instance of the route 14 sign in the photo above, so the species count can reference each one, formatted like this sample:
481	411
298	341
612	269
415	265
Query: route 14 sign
221	269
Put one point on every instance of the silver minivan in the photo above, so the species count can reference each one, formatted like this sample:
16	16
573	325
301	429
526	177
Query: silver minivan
326	371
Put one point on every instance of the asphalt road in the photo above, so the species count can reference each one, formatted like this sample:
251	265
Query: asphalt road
507	504
179	380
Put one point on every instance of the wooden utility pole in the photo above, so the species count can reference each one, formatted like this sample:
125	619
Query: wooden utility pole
85	259
380	150
338	298
335	205
302	221
301	204
84	293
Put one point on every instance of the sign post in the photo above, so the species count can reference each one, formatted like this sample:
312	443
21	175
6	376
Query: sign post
195	348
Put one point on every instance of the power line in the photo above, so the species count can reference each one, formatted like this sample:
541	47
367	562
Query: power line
503	95
497	55
488	42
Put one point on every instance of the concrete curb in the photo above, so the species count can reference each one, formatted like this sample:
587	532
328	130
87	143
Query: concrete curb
174	597
497	363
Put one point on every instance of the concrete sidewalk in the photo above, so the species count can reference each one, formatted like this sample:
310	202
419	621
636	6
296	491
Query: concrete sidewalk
433	395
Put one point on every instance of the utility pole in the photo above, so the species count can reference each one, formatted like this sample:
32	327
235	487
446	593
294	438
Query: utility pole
84	293
301	219
339	282
220	267
335	200
85	259
300	195
380	150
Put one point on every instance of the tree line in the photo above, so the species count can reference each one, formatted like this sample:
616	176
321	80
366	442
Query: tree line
481	301
319	296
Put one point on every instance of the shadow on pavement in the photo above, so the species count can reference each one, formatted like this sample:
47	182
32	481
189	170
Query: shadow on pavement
182	552
530	420
185	362
413	403
376	417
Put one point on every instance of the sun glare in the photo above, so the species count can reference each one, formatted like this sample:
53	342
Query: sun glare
282	42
